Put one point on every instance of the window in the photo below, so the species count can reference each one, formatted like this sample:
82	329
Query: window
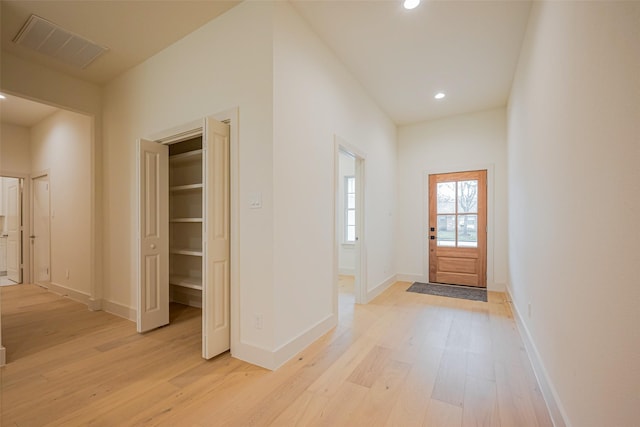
350	209
457	210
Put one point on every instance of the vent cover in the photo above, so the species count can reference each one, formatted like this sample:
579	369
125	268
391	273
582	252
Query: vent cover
49	39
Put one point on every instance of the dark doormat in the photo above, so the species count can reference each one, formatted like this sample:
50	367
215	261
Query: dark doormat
452	291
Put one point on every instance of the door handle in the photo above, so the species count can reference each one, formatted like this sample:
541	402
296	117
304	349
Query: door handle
432	237
32	237
153	246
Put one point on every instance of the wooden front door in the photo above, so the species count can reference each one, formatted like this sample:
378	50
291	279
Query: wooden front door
458	228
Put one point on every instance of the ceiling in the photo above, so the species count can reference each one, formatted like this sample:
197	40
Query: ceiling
22	112
466	49
133	30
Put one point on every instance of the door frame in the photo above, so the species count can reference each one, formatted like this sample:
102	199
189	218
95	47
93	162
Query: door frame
360	283
35	176
193	128
26	222
490	259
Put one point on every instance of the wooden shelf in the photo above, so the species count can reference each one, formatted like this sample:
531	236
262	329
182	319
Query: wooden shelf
189	156
186	220
186	282
189	252
187	187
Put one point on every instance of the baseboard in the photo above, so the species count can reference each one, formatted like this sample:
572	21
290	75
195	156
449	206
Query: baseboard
286	351
409	278
94	304
119	310
3	356
556	411
253	354
272	360
381	288
497	287
347	271
68	292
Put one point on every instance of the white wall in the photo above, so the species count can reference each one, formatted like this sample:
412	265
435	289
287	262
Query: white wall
315	99
465	142
574	204
346	251
15	155
227	63
61	145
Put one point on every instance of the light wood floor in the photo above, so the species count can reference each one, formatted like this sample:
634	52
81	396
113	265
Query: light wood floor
403	360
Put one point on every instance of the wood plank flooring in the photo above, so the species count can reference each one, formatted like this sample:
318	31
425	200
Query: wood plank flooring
405	359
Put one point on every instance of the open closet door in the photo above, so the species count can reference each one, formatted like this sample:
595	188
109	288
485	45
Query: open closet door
153	237
216	284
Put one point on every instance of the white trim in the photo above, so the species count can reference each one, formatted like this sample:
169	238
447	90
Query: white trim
360	283
178	133
94	304
373	293
79	296
186	131
490	168
286	351
272	360
554	406
119	310
409	278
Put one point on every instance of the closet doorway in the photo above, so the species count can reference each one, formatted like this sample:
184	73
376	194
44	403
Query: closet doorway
184	229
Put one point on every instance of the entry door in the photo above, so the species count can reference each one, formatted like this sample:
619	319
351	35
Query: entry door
216	331
14	230
153	240
458	228
41	237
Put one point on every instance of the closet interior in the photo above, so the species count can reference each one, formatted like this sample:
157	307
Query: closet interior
186	193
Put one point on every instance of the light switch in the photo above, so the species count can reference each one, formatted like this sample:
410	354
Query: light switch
255	200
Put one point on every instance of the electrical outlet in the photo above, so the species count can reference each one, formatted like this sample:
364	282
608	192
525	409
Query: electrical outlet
258	321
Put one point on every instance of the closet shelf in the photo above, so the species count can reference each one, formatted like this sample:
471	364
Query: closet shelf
185	252
186	282
186	220
186	157
187	187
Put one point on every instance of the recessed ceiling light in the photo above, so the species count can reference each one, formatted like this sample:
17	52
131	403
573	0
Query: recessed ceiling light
439	95
410	4
2	96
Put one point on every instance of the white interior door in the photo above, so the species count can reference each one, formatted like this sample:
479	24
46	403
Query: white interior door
153	237
216	332
41	237
14	230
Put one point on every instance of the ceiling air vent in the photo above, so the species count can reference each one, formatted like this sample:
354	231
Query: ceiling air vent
49	39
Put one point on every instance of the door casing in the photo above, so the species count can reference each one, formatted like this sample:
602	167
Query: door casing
194	128
360	285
